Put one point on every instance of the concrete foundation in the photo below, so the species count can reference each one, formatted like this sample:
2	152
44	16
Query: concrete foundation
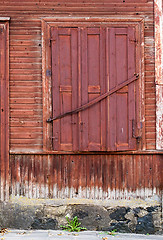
127	216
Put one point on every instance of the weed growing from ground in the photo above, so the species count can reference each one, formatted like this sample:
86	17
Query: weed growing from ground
73	225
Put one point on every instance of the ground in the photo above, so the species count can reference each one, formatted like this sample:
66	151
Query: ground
56	234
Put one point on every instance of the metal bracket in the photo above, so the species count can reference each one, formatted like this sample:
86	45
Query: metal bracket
48	73
138	137
49	120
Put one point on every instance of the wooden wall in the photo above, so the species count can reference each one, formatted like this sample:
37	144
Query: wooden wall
100	177
83	176
26	133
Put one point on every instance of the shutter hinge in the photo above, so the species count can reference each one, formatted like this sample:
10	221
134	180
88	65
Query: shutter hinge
49	42
134	128
48	73
133	40
49	120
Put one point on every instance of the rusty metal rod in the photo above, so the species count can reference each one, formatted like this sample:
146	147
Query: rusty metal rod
96	100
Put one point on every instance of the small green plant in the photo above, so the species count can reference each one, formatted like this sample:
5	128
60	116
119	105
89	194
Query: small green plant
73	225
113	232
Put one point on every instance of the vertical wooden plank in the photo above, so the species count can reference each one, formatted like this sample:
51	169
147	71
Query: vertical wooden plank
66	177
112	83
26	175
62	159
84	176
134	180
121	95
92	176
130	176
122	103
12	174
21	175
131	87
117	190
48	183
36	170
137	167
96	177
80	85
148	175
103	84
55	88
88	178
51	177
99	176
80	175
157	174
59	179
30	177
55	173
142	192
124	177
105	175
74	176
112	172
94	88
84	90
120	176
65	87
4	114
75	65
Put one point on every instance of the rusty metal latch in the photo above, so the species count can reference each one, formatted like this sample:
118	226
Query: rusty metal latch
96	100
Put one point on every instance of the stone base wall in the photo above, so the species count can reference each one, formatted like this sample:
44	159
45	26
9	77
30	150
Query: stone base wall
133	216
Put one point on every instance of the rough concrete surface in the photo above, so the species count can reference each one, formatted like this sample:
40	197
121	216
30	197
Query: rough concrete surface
56	234
139	217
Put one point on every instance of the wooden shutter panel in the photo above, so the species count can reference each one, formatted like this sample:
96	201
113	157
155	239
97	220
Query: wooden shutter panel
121	103
64	87
93	119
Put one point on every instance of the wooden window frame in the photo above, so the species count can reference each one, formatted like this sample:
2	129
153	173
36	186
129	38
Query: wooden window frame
47	23
158	18
4	123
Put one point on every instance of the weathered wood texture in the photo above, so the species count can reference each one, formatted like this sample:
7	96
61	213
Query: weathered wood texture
86	176
26	132
4	108
88	62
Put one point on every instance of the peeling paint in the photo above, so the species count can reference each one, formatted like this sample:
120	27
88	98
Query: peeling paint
159	72
159	119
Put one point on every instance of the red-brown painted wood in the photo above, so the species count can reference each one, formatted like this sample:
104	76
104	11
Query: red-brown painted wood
4	110
86	176
26	114
67	86
122	103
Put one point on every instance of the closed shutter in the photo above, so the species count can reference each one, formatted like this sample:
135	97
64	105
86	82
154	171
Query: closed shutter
88	62
65	87
121	103
93	84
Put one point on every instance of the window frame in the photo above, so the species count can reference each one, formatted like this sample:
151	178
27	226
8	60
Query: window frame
47	23
4	102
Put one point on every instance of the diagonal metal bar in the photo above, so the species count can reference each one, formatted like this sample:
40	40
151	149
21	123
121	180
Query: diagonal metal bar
96	100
